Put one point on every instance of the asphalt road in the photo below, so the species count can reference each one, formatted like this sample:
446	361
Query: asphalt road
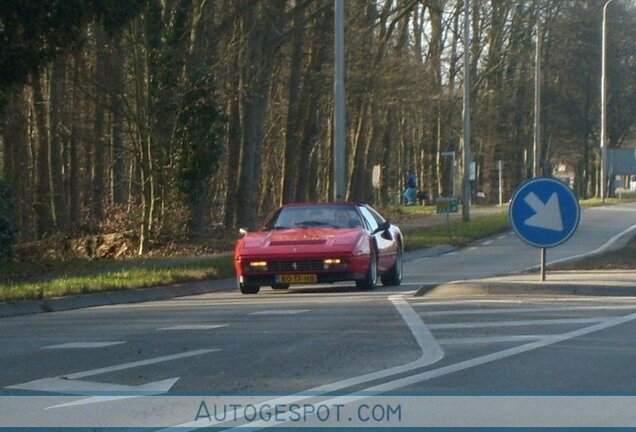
331	340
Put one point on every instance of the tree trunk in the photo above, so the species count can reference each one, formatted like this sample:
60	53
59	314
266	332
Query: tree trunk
118	181
43	200
292	155
74	178
260	51
98	174
57	92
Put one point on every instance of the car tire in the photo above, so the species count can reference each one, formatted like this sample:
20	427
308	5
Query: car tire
280	286
394	276
371	278
247	288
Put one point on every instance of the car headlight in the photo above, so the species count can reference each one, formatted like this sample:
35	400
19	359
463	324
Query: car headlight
258	265
331	263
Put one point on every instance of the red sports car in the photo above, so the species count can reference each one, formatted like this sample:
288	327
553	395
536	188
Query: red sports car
320	243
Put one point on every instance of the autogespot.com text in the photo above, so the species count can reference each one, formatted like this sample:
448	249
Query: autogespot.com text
126	411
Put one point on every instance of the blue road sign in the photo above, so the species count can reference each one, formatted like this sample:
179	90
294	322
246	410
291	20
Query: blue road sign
544	212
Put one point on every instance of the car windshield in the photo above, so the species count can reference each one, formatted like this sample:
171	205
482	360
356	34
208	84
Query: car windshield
337	216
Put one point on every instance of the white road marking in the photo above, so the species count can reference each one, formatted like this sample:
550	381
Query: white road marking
193	327
480	301
472	248
150	389
488	358
71	384
281	312
490	339
487	242
482	324
84	345
445	370
519	310
452	253
431	353
79	387
123	366
501	237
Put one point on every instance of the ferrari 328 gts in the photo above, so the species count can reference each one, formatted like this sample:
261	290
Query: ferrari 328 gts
302	244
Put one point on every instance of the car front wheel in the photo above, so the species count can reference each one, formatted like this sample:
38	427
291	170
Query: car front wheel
394	275
246	287
371	278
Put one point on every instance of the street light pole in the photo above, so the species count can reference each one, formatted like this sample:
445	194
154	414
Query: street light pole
339	152
466	193
536	162
603	104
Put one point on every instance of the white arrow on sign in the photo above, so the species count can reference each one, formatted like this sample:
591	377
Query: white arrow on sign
548	215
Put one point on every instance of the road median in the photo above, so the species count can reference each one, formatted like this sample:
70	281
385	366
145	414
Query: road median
560	283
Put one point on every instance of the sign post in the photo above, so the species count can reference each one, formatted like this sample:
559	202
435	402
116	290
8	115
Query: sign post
544	212
500	169
447	205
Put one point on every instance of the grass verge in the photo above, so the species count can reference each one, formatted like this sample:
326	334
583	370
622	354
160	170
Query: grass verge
85	276
457	233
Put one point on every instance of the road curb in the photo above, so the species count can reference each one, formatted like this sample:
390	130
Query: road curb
428	252
81	301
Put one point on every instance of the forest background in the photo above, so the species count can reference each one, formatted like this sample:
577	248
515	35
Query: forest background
165	120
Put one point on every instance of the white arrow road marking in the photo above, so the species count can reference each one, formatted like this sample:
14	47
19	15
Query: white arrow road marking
149	389
71	384
147	362
83	345
548	215
76	387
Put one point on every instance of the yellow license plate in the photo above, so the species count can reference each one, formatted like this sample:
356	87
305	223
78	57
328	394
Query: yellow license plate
298	279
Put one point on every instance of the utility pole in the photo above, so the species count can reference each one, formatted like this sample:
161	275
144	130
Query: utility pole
339	150
466	194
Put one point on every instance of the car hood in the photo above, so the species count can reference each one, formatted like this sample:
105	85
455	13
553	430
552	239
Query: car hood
302	239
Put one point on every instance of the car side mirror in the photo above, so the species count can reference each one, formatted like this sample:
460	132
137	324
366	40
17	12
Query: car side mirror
384	226
242	232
